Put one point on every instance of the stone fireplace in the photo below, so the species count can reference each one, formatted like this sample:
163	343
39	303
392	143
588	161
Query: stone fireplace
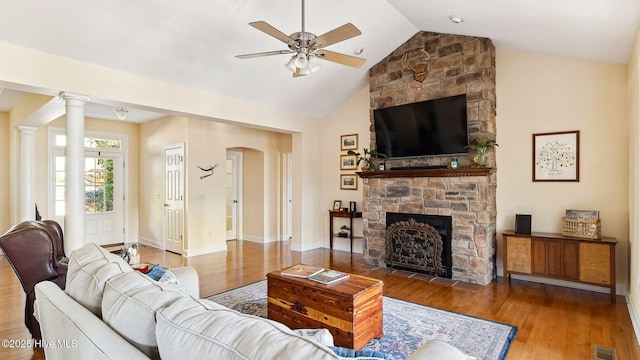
419	242
458	65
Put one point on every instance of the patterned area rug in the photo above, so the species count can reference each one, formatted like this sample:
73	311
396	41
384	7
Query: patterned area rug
406	325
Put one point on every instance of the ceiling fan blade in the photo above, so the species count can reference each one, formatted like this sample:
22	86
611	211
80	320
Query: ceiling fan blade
270	30
344	32
266	53
297	73
339	58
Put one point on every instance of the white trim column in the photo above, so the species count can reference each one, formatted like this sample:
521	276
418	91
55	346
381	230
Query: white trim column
27	199
74	172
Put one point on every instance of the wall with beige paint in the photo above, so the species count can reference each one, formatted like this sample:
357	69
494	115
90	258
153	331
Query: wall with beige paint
153	137
538	93
633	98
206	143
352	117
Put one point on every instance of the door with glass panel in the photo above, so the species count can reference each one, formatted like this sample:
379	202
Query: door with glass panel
103	193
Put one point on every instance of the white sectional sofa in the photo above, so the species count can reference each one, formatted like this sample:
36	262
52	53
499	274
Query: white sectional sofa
109	311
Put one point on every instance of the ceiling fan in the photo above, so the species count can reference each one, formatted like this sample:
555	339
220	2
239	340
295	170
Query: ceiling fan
308	48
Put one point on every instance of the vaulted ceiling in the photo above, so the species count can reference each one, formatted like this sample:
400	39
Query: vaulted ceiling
193	43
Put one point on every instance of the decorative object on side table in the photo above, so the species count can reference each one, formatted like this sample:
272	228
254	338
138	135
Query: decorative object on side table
480	148
582	224
344	231
336	205
367	158
556	156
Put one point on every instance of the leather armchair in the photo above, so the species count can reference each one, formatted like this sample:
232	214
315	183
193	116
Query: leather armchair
32	248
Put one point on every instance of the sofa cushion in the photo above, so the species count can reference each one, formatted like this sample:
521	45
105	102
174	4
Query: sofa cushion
197	329
73	332
89	269
129	306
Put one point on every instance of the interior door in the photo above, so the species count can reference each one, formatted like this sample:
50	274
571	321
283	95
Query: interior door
233	194
174	198
288	197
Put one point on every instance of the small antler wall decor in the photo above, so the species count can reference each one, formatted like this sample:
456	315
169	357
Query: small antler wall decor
420	67
209	170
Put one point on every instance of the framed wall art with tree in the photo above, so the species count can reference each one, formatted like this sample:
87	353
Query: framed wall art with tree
556	156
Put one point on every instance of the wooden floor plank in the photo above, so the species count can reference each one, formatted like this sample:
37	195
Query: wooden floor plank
554	322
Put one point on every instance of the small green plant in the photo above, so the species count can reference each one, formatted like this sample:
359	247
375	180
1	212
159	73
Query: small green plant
344	227
367	158
480	147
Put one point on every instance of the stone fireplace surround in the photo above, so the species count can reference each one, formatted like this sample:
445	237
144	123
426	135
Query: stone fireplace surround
463	195
459	65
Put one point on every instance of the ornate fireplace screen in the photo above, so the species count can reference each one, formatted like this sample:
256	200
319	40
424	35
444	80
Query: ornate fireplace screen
415	245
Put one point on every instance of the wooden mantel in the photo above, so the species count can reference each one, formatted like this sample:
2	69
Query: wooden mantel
426	173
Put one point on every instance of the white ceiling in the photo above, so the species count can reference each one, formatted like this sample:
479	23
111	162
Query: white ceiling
194	43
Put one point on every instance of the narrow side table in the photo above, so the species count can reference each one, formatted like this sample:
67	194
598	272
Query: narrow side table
342	214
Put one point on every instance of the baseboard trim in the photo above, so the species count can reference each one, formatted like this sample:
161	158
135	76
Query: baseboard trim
152	243
635	320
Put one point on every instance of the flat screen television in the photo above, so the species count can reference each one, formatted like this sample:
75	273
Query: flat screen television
432	127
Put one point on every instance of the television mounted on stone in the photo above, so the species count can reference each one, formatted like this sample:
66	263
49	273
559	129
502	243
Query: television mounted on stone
426	128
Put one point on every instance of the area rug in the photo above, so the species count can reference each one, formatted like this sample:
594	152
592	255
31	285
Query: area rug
406	325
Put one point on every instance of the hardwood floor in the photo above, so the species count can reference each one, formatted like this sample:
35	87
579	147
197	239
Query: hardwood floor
553	322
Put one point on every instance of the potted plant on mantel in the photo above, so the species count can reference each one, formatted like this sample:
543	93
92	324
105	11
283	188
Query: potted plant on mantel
480	147
368	158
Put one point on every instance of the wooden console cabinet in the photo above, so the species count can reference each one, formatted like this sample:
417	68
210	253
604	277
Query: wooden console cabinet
561	257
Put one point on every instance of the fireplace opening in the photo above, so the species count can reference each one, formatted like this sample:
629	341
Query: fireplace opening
419	242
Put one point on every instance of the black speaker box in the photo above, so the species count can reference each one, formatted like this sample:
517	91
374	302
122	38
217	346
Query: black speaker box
523	224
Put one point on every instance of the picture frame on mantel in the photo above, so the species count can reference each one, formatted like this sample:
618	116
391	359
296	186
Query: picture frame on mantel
349	142
348	182
556	156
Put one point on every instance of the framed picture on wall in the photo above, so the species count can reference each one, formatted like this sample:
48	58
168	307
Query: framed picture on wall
349	142
556	156
349	182
348	162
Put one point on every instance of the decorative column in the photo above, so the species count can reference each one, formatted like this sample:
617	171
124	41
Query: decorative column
27	172
74	172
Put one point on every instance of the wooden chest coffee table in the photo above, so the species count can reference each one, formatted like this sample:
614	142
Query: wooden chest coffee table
351	309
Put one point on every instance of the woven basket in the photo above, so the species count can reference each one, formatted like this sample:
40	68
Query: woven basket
586	229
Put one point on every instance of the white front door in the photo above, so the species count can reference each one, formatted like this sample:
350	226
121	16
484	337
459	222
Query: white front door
233	193
174	198
104	198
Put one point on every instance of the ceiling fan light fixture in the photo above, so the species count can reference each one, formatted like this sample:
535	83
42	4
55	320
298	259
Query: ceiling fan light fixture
121	112
301	60
314	64
291	64
305	71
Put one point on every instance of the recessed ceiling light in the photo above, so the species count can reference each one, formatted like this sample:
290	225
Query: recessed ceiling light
359	51
455	19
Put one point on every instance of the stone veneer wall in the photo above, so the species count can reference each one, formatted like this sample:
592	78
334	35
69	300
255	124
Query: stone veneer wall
459	65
